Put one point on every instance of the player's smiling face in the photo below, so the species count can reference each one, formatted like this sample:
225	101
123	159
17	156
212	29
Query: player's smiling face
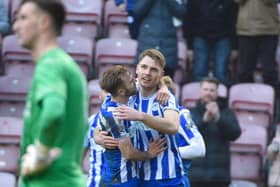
148	72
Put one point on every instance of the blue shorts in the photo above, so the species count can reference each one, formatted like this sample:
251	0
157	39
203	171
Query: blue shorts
177	182
131	183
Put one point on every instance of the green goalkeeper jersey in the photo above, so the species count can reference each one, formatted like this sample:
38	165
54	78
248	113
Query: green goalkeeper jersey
58	77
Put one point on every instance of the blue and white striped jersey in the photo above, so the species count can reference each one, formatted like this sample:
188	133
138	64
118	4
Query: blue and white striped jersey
189	139
118	169
168	164
97	162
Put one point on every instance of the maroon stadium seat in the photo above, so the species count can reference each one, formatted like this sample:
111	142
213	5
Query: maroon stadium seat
16	59
9	158
7	179
94	91
80	49
255	97
113	51
84	17
242	183
10	130
190	93
253	103
14	88
113	17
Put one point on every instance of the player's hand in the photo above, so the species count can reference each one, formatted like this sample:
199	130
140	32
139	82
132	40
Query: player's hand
163	94
37	158
127	113
126	147
105	140
156	147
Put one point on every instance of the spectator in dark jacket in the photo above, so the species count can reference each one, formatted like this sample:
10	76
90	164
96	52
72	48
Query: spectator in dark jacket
218	126
209	26
157	29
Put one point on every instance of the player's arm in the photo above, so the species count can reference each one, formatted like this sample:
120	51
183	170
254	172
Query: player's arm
41	154
196	147
169	124
130	153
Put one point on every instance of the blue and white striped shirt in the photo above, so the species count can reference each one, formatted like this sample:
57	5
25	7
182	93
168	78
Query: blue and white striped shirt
168	164
188	135
118	169
97	162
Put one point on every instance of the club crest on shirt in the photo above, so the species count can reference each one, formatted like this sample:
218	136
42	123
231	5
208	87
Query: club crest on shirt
155	107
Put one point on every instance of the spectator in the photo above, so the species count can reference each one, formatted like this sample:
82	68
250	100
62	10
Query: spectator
209	28
274	156
258	30
4	20
218	126
133	22
56	109
157	29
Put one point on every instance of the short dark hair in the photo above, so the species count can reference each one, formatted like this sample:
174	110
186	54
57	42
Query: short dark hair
156	55
112	79
54	8
210	80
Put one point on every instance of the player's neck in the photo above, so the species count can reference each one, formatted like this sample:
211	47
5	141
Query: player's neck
43	45
146	92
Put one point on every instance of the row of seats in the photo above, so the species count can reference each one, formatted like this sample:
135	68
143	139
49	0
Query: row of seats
89	55
86	17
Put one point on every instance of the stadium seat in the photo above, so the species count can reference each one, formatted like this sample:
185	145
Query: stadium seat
118	31
242	183
190	93
9	158
252	97
80	49
12	108
14	88
113	17
7	179
10	130
253	102
80	29
253	118
253	135
115	51
14	8
247	153
246	162
84	16
16	59
94	91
